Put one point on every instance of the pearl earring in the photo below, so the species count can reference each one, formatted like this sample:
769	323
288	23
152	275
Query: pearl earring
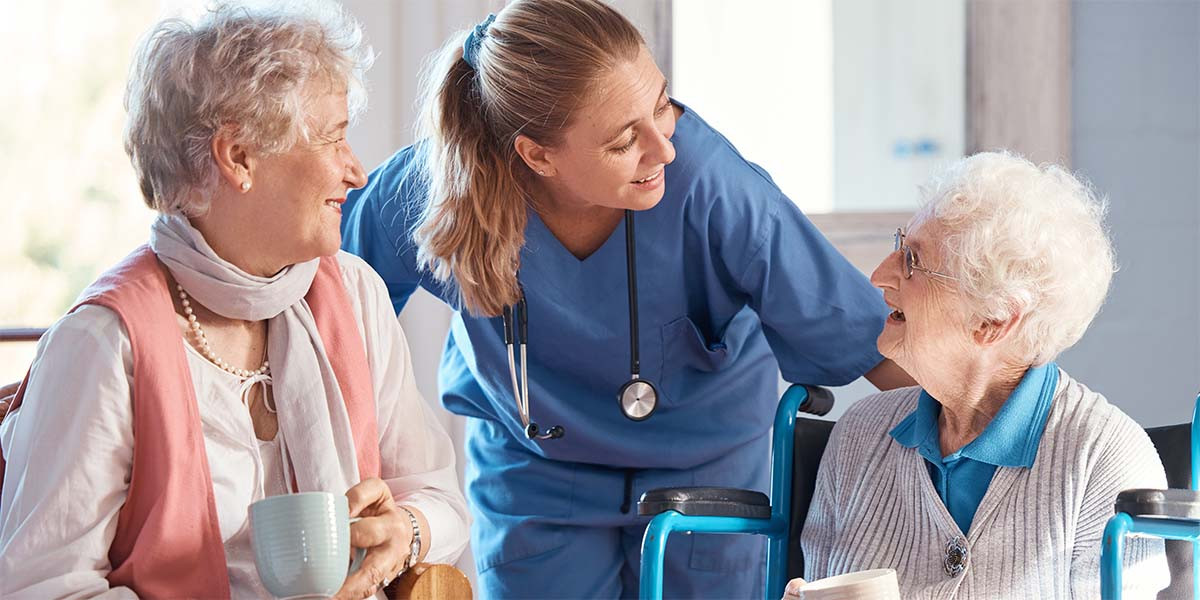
541	172
245	186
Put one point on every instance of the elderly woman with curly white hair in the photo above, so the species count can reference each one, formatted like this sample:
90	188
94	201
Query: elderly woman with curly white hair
995	477
238	354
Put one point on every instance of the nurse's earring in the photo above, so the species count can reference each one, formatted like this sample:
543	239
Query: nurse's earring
245	186
541	172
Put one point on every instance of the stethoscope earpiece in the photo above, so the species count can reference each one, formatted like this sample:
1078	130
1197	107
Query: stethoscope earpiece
532	432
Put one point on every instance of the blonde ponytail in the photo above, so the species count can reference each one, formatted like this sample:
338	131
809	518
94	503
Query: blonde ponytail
533	64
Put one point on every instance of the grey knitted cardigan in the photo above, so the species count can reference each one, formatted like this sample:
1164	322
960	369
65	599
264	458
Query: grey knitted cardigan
1037	531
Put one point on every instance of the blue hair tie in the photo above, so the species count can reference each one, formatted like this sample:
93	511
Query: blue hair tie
474	39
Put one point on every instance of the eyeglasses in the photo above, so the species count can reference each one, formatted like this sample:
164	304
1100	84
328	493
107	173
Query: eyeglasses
909	259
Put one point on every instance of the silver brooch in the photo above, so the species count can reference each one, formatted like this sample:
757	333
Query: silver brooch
956	557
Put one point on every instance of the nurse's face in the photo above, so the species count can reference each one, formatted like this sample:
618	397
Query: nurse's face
613	153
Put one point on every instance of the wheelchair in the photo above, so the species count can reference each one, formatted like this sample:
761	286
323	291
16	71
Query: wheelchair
1171	514
796	448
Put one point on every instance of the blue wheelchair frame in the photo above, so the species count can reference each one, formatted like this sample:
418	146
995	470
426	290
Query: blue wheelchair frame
654	543
1123	524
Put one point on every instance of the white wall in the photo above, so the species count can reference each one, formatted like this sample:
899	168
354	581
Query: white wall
899	98
761	73
1136	135
849	105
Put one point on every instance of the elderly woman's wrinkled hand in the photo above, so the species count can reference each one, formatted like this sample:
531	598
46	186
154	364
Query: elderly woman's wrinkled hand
384	531
792	591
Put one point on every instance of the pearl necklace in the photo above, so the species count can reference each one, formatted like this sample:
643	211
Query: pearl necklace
206	350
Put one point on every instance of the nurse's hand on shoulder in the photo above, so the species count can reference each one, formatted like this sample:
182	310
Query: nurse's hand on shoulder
792	591
385	531
888	375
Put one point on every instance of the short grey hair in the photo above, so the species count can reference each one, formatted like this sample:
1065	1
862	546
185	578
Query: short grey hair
1023	238
236	65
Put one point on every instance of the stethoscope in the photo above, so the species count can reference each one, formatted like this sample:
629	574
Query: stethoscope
637	398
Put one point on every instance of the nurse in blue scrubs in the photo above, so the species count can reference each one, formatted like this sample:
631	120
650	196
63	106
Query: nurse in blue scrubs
547	133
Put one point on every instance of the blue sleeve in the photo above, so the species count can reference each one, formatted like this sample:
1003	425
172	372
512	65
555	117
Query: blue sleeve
376	225
820	315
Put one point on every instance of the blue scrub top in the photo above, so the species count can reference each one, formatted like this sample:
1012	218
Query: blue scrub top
732	278
1011	439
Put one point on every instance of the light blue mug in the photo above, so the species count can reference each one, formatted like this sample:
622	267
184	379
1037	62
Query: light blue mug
302	544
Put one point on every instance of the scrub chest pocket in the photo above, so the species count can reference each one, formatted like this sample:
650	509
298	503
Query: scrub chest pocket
688	353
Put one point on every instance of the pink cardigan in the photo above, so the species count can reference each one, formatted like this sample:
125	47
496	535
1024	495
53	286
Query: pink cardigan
168	542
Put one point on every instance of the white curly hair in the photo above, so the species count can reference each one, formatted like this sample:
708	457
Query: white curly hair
242	65
1023	239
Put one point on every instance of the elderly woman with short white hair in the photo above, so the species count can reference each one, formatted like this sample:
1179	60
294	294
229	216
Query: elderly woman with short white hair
238	355
995	477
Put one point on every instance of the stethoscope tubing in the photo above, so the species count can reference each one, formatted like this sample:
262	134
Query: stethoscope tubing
631	273
516	333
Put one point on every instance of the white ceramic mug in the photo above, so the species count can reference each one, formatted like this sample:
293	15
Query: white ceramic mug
302	544
876	584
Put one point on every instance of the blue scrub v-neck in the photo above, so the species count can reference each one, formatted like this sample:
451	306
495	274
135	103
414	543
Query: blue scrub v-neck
542	245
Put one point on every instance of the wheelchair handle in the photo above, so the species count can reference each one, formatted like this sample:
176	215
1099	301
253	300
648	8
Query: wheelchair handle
819	401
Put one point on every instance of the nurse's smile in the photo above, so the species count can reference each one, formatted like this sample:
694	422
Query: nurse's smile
649	183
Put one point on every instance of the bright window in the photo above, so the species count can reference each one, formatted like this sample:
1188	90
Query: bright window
73	206
849	105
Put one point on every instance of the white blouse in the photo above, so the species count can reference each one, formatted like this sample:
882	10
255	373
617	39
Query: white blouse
69	451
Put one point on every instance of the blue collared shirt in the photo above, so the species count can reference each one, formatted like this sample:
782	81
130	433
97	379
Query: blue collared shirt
1010	440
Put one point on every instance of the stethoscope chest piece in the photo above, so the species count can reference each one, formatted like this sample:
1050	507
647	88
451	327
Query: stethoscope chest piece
638	399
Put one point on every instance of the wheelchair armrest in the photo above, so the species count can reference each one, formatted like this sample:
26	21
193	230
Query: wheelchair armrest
1171	504
706	501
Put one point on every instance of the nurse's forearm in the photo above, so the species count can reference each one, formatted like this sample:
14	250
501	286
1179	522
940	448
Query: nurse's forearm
887	375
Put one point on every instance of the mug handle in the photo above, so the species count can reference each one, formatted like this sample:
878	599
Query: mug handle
359	553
